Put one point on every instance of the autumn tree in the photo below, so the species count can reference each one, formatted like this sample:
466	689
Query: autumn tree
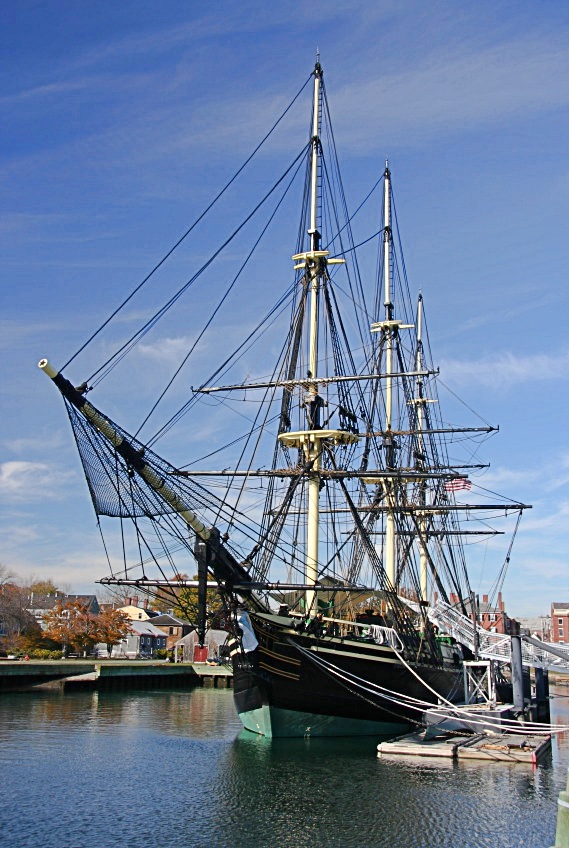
6	575
17	622
113	625
71	623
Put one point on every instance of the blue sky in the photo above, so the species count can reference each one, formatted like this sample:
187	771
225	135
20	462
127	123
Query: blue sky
121	120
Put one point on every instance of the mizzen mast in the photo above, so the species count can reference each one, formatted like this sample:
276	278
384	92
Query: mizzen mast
420	402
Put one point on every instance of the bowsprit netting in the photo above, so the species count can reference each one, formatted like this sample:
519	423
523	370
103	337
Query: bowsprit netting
117	491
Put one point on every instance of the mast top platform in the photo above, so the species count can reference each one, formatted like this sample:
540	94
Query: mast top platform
302	438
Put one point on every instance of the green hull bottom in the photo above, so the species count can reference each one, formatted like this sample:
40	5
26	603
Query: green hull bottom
273	722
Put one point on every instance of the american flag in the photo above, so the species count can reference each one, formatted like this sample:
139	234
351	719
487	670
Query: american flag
458	483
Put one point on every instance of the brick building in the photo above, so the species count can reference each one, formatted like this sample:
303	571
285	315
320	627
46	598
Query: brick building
493	618
560	623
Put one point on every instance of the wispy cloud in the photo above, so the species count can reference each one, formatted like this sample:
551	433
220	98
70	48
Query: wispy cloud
443	92
167	350
506	369
450	91
46	442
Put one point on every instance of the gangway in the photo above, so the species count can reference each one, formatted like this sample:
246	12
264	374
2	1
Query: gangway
497	646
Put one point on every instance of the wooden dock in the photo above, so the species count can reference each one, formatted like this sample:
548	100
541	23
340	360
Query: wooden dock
500	747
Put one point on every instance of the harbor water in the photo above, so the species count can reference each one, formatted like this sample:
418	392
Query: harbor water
175	770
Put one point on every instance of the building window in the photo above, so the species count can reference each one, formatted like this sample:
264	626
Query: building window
560	622
560	632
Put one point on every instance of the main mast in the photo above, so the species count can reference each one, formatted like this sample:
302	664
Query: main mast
389	328
389	562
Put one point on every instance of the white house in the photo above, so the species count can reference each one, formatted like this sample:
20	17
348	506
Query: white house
143	641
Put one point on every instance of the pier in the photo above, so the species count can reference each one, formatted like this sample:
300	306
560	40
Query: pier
111	674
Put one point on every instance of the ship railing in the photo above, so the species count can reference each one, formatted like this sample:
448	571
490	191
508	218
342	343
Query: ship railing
376	633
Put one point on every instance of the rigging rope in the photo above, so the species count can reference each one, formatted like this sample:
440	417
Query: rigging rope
113	360
192	227
221	302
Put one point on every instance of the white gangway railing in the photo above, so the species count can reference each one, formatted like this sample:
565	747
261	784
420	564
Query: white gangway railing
497	646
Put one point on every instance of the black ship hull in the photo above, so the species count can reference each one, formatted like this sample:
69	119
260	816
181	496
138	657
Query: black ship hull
297	684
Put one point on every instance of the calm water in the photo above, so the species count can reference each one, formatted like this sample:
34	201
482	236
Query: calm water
175	770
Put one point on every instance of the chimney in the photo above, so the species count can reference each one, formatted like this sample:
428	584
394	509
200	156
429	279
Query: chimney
500	602
129	602
135	601
484	599
145	604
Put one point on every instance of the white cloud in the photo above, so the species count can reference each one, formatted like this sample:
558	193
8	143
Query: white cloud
168	350
27	481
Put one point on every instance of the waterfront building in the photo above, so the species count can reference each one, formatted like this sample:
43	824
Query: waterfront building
174	628
187	648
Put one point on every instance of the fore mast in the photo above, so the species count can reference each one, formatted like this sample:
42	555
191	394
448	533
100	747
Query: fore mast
311	440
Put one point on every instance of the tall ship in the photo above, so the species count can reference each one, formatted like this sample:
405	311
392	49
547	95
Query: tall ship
328	506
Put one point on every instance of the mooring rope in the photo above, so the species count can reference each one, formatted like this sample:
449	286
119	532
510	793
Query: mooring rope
411	703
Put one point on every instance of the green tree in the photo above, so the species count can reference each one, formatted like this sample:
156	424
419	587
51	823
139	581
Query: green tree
186	606
43	587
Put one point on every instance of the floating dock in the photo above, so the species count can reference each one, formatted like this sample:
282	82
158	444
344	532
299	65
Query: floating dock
500	747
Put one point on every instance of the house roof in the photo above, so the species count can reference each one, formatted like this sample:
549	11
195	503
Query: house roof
89	601
47	602
145	628
170	620
485	607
